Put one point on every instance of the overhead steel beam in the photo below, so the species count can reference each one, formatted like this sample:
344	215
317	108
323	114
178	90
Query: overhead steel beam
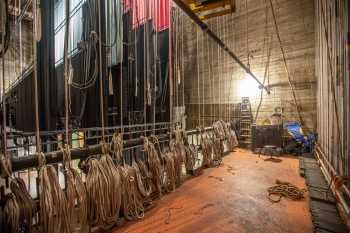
211	34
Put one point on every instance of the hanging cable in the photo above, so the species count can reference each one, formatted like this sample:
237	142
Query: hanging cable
197	66
101	73
285	64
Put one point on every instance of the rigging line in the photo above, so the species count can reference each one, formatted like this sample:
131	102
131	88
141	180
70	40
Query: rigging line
198	101
209	75
219	71
183	60
66	69
145	68
203	80
212	80
121	71
285	64
101	72
155	61
262	57
35	74
340	148
4	102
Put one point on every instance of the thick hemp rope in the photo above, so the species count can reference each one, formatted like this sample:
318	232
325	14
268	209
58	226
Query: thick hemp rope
113	187
25	204
53	203
178	161
285	189
169	180
168	173
132	202
103	185
191	157
206	146
76	195
154	164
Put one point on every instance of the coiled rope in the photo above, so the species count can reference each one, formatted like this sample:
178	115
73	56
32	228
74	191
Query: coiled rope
132	203
76	195
285	189
154	164
206	146
53	203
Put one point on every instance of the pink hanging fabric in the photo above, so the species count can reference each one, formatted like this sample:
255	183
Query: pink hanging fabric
138	8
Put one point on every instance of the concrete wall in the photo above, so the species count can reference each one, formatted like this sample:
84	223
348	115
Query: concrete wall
211	79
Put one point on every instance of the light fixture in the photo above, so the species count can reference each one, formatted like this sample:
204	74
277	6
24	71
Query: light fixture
248	87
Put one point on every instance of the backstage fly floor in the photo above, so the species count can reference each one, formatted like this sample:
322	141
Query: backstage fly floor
231	198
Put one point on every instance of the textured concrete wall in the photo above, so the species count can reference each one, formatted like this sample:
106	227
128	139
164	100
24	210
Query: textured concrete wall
211	77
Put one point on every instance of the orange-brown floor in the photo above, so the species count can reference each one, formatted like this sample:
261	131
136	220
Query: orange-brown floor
231	198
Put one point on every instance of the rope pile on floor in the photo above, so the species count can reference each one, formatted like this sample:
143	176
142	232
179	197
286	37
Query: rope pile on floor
285	189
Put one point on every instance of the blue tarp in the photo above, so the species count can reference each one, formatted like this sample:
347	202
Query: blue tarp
294	129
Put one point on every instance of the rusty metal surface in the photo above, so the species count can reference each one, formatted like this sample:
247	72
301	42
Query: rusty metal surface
231	198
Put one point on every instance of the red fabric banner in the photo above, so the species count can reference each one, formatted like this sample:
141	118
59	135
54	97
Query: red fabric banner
138	8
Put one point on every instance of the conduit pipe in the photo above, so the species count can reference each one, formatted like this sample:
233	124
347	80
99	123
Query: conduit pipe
211	34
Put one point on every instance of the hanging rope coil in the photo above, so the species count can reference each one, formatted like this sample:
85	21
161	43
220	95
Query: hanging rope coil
191	157
178	161
169	171
117	148
53	203
103	185
132	202
154	164
5	166
285	189
206	146
11	215
113	189
76	195
144	177
25	204
17	207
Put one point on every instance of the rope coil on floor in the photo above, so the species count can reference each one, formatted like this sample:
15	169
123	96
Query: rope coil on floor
285	189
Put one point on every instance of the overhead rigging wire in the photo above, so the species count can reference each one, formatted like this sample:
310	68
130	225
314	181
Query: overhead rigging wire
267	40
76	195
285	63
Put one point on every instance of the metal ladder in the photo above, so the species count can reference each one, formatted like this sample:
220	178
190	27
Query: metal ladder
246	119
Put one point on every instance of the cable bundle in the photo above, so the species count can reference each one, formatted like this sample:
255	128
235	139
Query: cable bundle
76	196
53	203
154	164
132	203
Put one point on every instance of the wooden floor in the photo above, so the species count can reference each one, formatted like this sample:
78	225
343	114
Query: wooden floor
231	198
